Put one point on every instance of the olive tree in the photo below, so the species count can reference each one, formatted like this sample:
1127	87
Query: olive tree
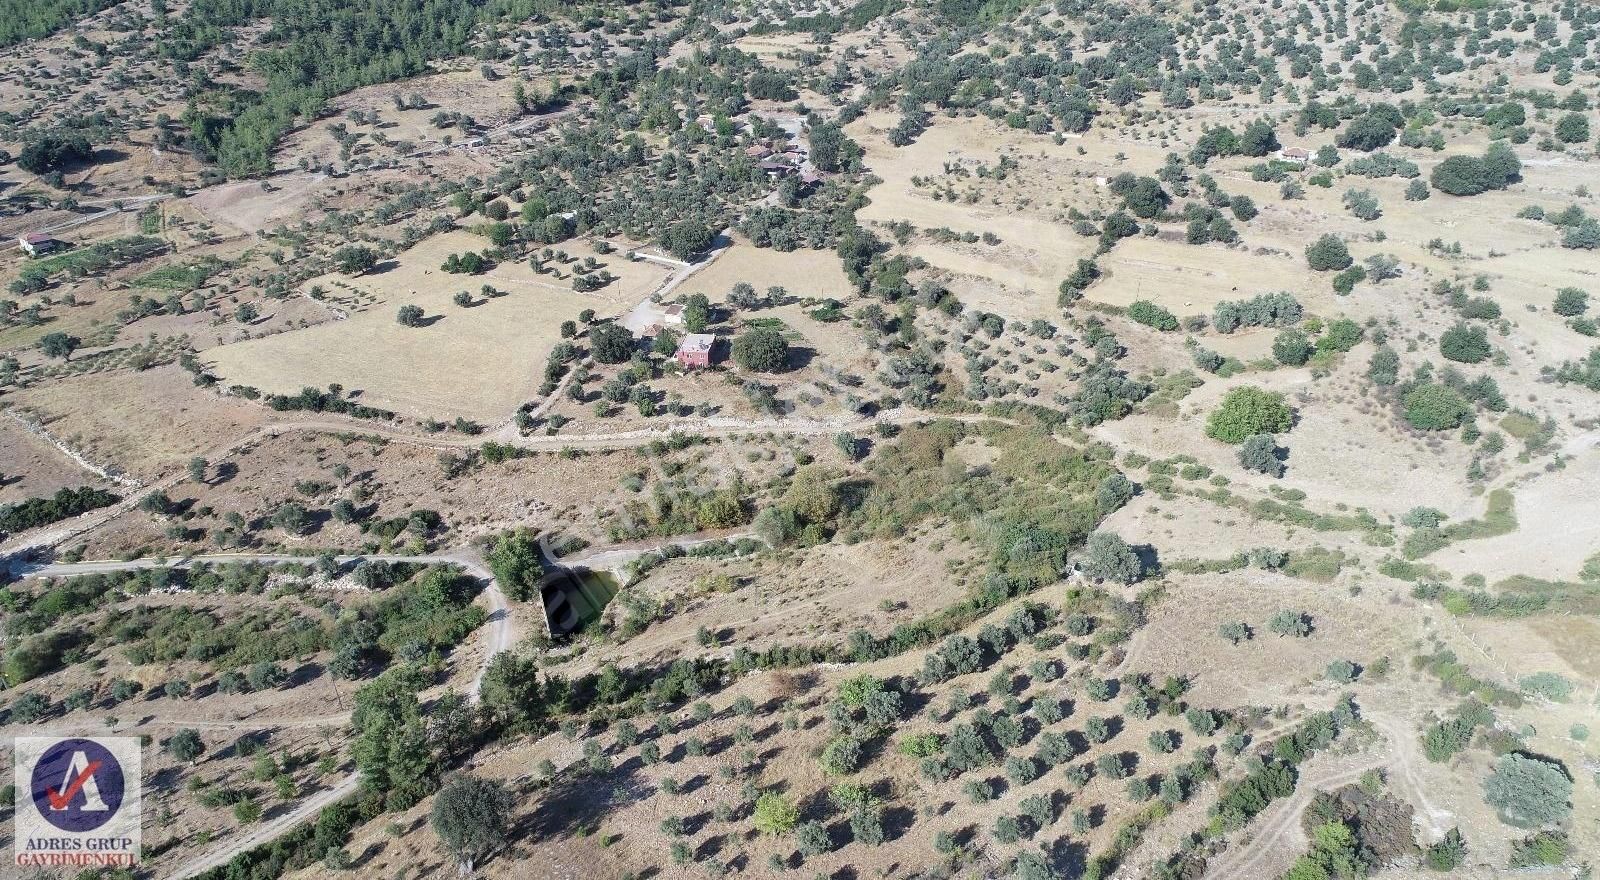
472	817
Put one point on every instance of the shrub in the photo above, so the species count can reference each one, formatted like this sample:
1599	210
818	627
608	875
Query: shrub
1435	407
1528	791
1571	302
1259	453
1465	344
1247	411
1346	281
1342	671
1266	310
1290	623
1152	315
1291	348
775	814
1384	369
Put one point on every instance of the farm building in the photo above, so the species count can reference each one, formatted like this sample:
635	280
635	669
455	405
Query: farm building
695	350
36	243
1295	155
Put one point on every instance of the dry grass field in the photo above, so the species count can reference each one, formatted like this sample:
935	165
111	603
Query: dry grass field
478	362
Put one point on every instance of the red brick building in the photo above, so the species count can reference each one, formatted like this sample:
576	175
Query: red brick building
695	350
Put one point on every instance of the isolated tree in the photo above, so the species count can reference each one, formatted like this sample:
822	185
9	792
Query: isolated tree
472	817
1529	791
1328	253
1290	623
1247	411
1113	492
1234	631
516	563
186	746
611	343
292	518
1258	139
55	151
761	349
198	468
58	345
409	316
1107	557
1369	132
355	259
1259	453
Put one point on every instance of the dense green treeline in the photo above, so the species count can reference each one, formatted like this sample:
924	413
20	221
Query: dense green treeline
31	19
315	50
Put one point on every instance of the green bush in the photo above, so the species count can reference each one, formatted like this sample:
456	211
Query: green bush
1152	315
1465	344
1528	791
1435	407
1247	411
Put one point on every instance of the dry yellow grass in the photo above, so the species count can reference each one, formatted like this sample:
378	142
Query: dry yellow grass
478	362
804	273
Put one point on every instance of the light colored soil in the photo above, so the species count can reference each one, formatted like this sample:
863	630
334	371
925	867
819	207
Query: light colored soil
147	423
34	468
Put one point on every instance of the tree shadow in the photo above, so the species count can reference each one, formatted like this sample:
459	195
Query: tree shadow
574	800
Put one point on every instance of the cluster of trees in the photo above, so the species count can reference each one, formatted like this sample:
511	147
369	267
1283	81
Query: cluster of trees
1267	310
1497	168
65	504
332	400
322	48
22	20
55	151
